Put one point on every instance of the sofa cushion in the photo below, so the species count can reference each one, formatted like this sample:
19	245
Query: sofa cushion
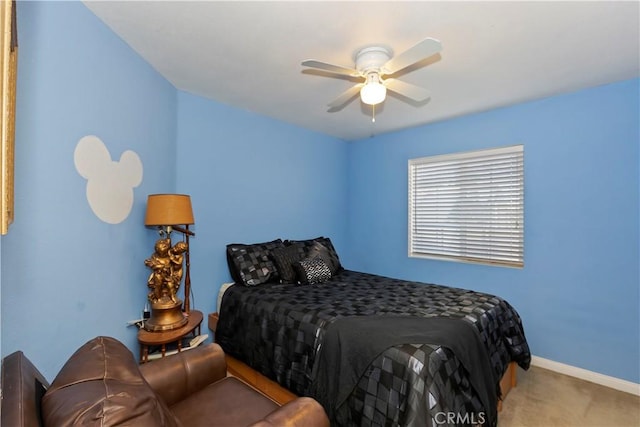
101	385
229	402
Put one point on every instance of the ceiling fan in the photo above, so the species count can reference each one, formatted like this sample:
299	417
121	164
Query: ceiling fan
372	64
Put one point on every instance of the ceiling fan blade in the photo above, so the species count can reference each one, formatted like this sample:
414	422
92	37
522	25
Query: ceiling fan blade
338	69
345	97
414	92
420	51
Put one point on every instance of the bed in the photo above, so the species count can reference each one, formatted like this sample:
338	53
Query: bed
372	350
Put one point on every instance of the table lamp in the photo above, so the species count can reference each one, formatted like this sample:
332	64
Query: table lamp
168	212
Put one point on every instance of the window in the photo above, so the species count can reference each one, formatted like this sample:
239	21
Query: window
468	207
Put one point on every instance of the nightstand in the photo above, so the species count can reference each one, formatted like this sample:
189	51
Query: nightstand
148	339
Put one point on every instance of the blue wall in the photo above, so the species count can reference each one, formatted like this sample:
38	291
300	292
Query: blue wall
578	293
254	179
66	275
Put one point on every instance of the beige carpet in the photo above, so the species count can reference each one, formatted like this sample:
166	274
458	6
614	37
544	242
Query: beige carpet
547	399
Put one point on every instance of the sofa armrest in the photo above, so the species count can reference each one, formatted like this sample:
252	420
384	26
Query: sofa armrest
22	389
178	376
301	412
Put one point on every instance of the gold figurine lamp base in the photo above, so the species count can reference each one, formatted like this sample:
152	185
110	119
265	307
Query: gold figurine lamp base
166	317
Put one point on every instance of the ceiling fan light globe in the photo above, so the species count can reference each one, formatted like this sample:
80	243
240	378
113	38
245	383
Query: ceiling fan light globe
373	93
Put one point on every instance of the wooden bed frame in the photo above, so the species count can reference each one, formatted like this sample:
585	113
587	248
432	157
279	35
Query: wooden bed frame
281	395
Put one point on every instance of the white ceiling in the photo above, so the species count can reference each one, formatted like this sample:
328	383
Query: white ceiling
248	54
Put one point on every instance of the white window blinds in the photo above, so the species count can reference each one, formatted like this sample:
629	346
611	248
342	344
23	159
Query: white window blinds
468	207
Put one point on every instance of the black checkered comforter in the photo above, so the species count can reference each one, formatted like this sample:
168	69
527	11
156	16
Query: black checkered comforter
277	328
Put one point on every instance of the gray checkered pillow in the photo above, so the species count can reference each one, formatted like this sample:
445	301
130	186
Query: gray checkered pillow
251	265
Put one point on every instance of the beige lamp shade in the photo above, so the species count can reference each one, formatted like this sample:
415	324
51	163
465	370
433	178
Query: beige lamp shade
168	209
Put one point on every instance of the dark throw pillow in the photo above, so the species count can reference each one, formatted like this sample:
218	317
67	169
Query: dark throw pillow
312	271
304	247
321	251
251	265
284	259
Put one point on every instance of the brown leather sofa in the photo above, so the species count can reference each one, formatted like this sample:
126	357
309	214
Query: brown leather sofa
102	384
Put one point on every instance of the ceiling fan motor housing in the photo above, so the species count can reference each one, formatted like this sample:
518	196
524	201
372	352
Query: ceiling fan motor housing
372	59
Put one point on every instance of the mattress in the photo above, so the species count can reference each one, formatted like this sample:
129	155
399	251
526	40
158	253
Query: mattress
223	289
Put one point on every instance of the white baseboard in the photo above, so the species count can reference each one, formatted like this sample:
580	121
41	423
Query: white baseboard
584	374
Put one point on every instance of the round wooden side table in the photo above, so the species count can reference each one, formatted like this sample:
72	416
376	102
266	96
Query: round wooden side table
148	339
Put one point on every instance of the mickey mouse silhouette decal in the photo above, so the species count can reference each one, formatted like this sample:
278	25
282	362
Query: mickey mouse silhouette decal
110	184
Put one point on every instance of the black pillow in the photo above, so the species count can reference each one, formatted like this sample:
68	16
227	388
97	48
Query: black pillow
284	259
251	265
304	246
326	242
312	271
321	251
